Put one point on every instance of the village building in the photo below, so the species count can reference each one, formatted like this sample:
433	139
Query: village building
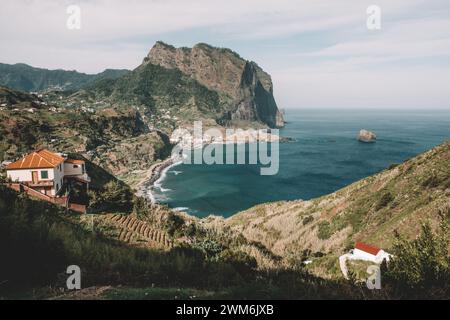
363	252
370	253
47	172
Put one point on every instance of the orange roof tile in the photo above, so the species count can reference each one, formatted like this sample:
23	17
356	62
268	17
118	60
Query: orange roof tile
367	248
40	159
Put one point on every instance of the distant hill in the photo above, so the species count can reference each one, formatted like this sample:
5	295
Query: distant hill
27	78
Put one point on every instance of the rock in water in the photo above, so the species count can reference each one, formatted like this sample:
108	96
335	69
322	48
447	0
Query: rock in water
367	136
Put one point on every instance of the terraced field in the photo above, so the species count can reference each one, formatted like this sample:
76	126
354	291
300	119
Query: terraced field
129	229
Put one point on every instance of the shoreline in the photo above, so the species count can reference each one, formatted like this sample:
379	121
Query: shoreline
156	173
153	175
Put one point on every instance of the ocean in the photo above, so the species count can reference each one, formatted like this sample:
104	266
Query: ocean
323	157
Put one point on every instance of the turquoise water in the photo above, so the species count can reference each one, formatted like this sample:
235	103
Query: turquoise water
324	157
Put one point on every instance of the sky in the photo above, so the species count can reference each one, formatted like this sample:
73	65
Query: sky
320	54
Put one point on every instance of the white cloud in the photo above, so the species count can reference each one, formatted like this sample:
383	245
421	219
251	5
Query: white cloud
416	38
415	87
319	52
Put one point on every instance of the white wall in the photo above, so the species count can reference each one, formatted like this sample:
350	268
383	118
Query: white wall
26	176
19	175
382	255
70	170
362	255
56	175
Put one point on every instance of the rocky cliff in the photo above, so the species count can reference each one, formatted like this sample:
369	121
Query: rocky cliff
245	90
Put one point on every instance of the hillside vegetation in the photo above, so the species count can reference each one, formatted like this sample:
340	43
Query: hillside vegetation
116	139
26	78
398	199
156	254
39	241
172	87
121	120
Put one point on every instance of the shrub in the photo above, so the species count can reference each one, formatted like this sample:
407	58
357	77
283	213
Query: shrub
325	231
174	224
384	201
193	230
307	219
113	197
140	207
447	184
211	248
421	265
431	182
241	262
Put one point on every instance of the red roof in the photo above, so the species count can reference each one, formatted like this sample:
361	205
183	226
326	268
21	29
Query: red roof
40	159
367	248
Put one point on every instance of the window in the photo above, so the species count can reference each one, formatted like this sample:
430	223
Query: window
44	174
57	187
75	166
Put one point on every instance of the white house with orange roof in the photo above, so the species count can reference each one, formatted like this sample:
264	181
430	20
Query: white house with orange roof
46	172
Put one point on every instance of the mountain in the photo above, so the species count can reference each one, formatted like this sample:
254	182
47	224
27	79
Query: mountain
26	78
199	83
172	87
400	199
244	88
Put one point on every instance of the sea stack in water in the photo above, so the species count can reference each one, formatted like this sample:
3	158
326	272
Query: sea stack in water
367	136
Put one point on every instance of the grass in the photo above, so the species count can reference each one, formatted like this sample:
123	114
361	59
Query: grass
384	201
157	294
371	210
325	231
359	269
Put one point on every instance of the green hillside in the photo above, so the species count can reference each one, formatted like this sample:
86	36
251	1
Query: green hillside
26	78
39	241
115	138
398	200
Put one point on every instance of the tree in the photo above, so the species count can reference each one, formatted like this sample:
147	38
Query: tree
422	265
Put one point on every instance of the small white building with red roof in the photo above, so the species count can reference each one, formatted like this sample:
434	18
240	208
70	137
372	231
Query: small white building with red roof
368	252
364	252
